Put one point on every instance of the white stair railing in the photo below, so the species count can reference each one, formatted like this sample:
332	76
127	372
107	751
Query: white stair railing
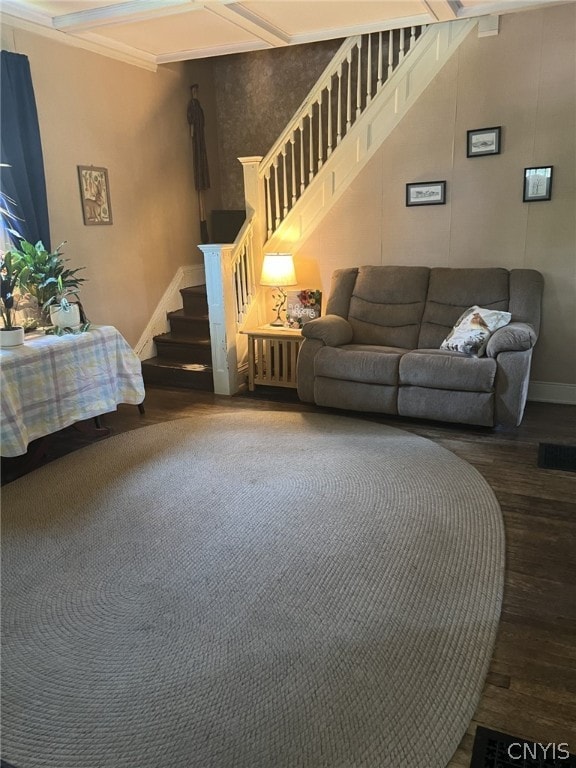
350	82
376	77
243	263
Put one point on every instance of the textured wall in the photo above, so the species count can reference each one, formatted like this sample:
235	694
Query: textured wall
256	95
524	80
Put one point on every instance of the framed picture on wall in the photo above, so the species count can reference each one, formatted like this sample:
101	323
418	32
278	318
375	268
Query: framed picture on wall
483	141
95	195
537	184
426	193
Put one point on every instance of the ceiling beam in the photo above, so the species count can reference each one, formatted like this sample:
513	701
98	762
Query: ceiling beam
443	10
235	13
94	44
216	50
505	6
120	13
26	13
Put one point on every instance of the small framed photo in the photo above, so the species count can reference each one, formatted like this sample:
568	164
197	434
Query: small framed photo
95	195
483	141
426	193
537	184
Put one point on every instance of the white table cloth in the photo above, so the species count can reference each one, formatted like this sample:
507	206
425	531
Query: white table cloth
51	382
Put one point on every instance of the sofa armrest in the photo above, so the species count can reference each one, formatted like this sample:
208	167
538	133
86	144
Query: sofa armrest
333	330
514	337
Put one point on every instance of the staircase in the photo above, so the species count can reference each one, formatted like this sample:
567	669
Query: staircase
363	94
184	355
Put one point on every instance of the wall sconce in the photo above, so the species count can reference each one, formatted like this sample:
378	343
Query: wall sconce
278	271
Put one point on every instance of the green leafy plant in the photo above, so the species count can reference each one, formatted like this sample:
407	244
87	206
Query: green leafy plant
12	274
48	278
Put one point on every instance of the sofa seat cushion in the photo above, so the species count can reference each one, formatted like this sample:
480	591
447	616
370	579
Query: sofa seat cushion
355	395
364	363
442	369
447	405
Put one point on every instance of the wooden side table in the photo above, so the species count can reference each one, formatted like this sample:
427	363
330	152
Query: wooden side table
272	355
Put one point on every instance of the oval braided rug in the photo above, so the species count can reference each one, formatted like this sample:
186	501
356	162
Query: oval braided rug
248	590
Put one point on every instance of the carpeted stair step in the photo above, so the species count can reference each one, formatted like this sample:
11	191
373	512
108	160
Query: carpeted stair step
175	373
189	327
174	347
195	301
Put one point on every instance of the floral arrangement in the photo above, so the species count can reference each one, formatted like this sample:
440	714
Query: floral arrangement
303	306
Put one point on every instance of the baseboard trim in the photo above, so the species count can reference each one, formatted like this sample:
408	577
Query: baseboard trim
552	392
185	277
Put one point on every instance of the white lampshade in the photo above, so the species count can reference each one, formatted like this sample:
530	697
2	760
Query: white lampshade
278	269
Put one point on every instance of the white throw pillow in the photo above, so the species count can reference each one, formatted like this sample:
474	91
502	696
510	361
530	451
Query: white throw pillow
473	329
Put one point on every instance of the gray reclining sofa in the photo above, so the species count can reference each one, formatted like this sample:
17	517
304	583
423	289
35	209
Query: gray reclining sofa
377	348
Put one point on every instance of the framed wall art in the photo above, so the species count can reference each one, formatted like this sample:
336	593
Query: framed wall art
95	195
537	184
483	141
426	193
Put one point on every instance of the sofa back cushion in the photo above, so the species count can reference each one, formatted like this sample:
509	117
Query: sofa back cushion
451	291
387	304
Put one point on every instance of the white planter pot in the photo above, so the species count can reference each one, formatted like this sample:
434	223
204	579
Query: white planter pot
65	318
12	337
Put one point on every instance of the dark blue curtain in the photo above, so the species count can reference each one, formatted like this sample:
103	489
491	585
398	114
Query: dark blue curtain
21	150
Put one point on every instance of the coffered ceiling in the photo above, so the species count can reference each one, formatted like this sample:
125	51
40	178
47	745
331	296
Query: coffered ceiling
152	32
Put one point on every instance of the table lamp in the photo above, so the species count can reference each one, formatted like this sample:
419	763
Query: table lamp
278	271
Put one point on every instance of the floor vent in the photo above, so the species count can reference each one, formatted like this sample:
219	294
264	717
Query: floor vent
552	456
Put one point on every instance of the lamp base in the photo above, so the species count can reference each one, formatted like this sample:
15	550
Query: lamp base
280	299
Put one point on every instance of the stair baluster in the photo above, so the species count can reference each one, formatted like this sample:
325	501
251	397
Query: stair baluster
359	80
320	151
379	79
268	202
293	167
349	91
369	83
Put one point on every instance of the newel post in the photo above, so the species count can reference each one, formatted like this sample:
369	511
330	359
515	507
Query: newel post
255	201
219	289
254	197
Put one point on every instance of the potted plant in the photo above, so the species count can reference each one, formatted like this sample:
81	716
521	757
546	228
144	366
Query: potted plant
10	276
51	282
64	314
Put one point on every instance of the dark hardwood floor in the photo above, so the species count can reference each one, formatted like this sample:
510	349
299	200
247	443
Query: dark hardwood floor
531	687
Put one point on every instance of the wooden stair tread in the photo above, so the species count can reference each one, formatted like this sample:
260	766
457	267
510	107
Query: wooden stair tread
167	372
179	313
166	362
169	338
199	290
